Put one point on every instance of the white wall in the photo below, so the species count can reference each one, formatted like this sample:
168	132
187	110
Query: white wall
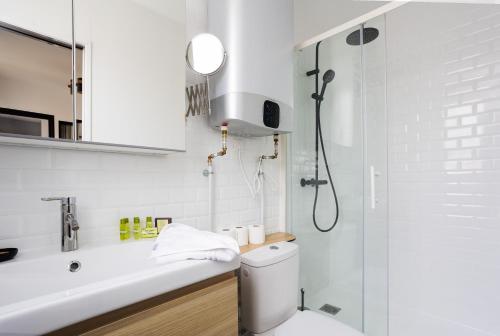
316	17
444	169
49	17
109	186
196	23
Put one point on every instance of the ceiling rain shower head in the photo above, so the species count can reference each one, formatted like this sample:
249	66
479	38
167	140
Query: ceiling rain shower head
369	34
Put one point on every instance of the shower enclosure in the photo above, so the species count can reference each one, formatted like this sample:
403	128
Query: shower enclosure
411	128
343	271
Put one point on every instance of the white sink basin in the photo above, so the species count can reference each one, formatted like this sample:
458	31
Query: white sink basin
41	295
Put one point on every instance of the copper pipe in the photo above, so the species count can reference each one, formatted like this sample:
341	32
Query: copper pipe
223	150
275	156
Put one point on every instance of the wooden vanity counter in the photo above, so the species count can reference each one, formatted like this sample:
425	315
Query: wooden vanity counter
208	308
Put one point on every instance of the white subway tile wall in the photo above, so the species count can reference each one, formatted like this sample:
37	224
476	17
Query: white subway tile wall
444	171
109	186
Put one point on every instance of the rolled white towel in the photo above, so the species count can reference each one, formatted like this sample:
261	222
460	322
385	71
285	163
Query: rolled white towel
182	242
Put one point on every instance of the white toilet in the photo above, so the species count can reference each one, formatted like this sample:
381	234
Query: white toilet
269	292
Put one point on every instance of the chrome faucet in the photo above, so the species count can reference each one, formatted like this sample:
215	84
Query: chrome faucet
69	224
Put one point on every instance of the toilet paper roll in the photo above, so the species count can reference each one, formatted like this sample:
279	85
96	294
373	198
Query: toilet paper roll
229	232
241	235
256	234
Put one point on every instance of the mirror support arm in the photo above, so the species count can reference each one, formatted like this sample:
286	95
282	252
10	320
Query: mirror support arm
208	95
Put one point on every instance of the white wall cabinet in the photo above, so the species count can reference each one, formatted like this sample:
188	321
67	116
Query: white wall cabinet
130	68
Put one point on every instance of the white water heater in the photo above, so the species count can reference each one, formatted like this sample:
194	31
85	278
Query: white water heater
253	94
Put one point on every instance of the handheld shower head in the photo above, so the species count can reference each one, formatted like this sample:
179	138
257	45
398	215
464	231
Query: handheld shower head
327	78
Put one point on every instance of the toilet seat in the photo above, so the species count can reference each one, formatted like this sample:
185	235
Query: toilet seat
308	323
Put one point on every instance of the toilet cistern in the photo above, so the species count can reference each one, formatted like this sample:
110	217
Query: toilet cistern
69	223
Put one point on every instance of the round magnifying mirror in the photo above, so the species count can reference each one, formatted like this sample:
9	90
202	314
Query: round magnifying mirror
205	54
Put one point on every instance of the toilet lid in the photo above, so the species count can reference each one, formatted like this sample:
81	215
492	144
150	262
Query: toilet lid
308	323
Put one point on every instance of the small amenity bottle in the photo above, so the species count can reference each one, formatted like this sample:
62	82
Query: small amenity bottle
124	229
149	222
137	228
149	231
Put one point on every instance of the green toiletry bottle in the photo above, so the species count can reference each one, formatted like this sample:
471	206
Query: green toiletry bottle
149	231
137	228
124	229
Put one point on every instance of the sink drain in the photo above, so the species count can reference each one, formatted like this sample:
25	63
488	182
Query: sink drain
74	266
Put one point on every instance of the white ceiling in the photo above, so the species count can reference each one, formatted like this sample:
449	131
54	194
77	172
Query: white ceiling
313	17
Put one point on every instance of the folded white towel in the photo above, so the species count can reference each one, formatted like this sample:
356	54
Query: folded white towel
182	242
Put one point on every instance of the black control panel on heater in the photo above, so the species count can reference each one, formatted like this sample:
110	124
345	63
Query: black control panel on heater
271	115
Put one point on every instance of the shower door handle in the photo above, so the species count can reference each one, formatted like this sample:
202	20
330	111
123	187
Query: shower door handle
372	187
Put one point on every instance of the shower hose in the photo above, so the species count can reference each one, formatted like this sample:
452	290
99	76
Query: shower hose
319	140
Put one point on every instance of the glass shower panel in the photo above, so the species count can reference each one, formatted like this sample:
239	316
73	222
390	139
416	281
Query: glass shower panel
376	206
331	262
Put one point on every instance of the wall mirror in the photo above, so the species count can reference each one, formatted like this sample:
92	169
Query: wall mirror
35	70
205	54
129	77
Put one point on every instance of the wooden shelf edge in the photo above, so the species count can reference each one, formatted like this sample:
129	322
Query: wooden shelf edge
270	239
